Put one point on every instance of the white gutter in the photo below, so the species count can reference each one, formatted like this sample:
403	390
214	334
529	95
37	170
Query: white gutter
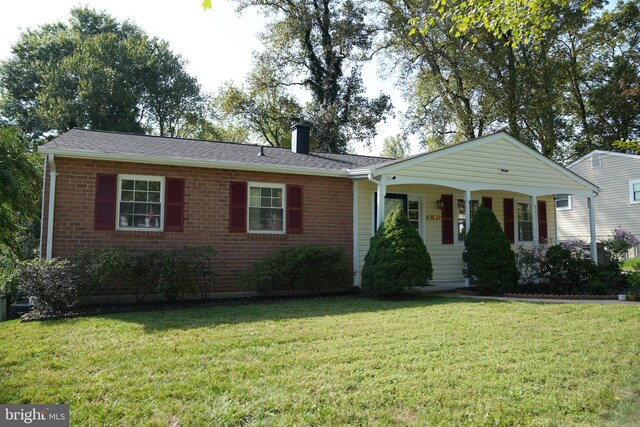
52	202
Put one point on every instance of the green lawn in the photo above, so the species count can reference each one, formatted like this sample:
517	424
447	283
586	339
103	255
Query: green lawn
442	361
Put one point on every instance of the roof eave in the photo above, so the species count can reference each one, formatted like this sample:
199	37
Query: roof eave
212	164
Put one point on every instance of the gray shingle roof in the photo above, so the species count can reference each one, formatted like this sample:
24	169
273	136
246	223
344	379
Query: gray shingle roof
87	142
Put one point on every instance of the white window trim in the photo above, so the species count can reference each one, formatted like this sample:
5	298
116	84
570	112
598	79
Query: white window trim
119	194
456	241
569	206
421	224
284	206
517	222
631	184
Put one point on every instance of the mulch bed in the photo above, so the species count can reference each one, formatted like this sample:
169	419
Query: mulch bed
537	296
98	310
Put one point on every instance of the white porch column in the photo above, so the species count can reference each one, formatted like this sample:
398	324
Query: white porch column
534	220
592	230
467	223
382	191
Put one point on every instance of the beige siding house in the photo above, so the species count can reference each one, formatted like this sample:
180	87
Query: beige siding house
618	203
440	191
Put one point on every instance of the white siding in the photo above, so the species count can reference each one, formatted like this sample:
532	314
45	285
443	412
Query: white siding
612	206
483	164
446	259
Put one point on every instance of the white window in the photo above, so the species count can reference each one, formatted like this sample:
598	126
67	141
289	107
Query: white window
563	202
634	191
140	201
596	161
266	207
413	213
462	217
525	223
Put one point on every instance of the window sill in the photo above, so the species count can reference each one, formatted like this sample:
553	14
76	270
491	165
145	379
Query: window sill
266	236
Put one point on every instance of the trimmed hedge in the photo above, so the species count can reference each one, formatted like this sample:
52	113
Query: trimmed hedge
311	268
50	283
490	264
397	258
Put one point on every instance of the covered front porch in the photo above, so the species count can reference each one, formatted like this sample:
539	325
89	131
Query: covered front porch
441	190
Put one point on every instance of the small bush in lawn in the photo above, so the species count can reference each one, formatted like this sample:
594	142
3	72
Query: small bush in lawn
397	258
303	268
490	263
51	284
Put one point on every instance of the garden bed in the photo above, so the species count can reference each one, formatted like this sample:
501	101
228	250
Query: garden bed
474	292
97	309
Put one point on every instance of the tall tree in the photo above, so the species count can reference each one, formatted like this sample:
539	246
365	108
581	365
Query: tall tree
20	186
98	73
320	46
395	147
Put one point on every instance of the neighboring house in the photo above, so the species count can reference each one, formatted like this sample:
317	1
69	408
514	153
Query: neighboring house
617	205
113	189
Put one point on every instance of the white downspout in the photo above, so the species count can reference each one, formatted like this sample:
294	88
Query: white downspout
467	224
380	202
356	230
44	183
592	230
52	202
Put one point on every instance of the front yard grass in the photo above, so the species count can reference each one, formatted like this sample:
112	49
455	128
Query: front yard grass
631	264
433	360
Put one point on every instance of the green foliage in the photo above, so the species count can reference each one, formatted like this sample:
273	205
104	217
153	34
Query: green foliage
619	244
565	270
98	73
395	147
490	263
100	270
169	272
266	110
397	258
631	264
298	268
50	283
319	46
20	191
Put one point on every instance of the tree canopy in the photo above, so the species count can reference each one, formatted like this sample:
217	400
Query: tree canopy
98	73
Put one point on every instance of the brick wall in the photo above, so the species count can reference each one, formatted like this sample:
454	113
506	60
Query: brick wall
327	214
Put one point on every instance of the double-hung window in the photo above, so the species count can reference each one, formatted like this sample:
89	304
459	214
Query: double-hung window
462	217
634	191
140	201
266	207
525	222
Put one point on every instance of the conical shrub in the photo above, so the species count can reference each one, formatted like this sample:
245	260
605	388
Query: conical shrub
397	258
490	263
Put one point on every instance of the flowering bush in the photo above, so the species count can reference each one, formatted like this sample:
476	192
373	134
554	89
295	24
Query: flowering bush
620	243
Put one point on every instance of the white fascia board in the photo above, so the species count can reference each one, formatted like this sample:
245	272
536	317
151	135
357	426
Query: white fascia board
481	141
192	163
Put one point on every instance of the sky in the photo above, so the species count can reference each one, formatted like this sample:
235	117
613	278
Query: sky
218	43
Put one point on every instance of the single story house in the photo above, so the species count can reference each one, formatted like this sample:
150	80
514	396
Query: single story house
618	202
114	189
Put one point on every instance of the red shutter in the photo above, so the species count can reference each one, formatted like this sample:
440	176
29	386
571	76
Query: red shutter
174	204
542	221
447	219
294	209
487	202
509	224
238	207
105	208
